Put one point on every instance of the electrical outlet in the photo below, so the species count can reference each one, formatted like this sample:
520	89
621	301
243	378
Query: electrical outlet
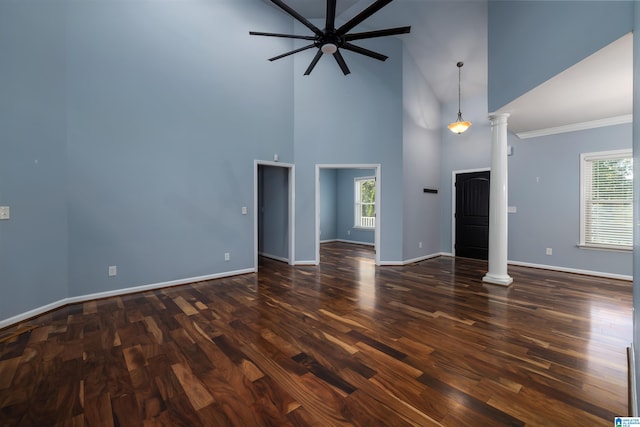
349	232
227	256
244	210
549	251
113	270
5	212
419	245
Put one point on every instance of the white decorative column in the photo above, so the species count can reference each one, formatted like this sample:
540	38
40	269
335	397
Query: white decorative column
498	224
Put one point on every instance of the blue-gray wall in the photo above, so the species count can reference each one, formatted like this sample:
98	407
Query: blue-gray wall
544	186
273	212
33	155
421	153
328	204
532	41
350	120
125	141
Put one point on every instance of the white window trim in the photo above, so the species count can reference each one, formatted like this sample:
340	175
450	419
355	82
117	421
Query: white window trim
357	204
584	159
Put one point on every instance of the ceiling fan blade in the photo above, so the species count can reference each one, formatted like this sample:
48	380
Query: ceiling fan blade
297	16
313	63
378	33
292	52
341	63
289	36
363	51
379	4
331	15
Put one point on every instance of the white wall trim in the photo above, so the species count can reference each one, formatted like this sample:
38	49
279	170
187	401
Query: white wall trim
573	270
611	121
116	292
355	242
413	260
305	263
276	257
421	258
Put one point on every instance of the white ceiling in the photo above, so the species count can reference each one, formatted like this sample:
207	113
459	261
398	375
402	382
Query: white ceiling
594	92
444	32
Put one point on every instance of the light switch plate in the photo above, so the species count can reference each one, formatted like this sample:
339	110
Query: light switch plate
4	212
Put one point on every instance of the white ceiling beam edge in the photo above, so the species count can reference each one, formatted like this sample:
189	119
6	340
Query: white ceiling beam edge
611	121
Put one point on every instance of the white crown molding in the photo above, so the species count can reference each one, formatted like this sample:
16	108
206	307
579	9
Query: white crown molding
611	121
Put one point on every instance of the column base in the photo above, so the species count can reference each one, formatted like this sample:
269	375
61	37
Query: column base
498	279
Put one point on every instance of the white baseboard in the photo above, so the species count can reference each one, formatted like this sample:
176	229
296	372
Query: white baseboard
355	242
421	258
276	257
116	292
573	270
413	260
311	262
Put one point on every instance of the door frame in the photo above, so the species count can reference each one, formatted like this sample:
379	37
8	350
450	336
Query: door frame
376	168
291	223
454	175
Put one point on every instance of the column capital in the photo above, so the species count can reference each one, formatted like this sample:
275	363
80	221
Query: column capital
498	118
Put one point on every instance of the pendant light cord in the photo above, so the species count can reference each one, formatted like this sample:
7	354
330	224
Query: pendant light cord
459	64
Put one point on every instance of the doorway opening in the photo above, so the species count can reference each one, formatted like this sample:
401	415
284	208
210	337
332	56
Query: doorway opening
341	215
471	213
273	202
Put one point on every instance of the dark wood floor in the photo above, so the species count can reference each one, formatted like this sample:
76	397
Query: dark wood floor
344	343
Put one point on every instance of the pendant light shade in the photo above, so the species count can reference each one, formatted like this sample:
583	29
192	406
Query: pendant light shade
459	125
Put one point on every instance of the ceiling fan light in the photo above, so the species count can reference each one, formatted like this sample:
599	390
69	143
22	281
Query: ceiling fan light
329	48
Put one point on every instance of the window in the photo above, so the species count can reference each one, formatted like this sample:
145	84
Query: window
365	202
607	199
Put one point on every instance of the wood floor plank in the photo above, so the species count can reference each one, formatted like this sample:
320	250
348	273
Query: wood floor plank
198	395
340	344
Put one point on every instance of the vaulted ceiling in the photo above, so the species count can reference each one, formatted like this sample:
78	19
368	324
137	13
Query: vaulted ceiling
444	32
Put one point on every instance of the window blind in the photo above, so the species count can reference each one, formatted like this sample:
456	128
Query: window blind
608	200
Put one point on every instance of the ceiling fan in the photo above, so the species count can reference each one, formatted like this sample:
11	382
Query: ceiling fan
330	40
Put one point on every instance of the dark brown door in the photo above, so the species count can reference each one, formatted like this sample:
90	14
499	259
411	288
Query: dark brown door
472	215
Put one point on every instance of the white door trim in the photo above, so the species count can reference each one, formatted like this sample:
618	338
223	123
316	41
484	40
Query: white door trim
292	201
376	167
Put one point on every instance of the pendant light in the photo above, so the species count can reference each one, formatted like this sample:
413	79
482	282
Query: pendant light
459	125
